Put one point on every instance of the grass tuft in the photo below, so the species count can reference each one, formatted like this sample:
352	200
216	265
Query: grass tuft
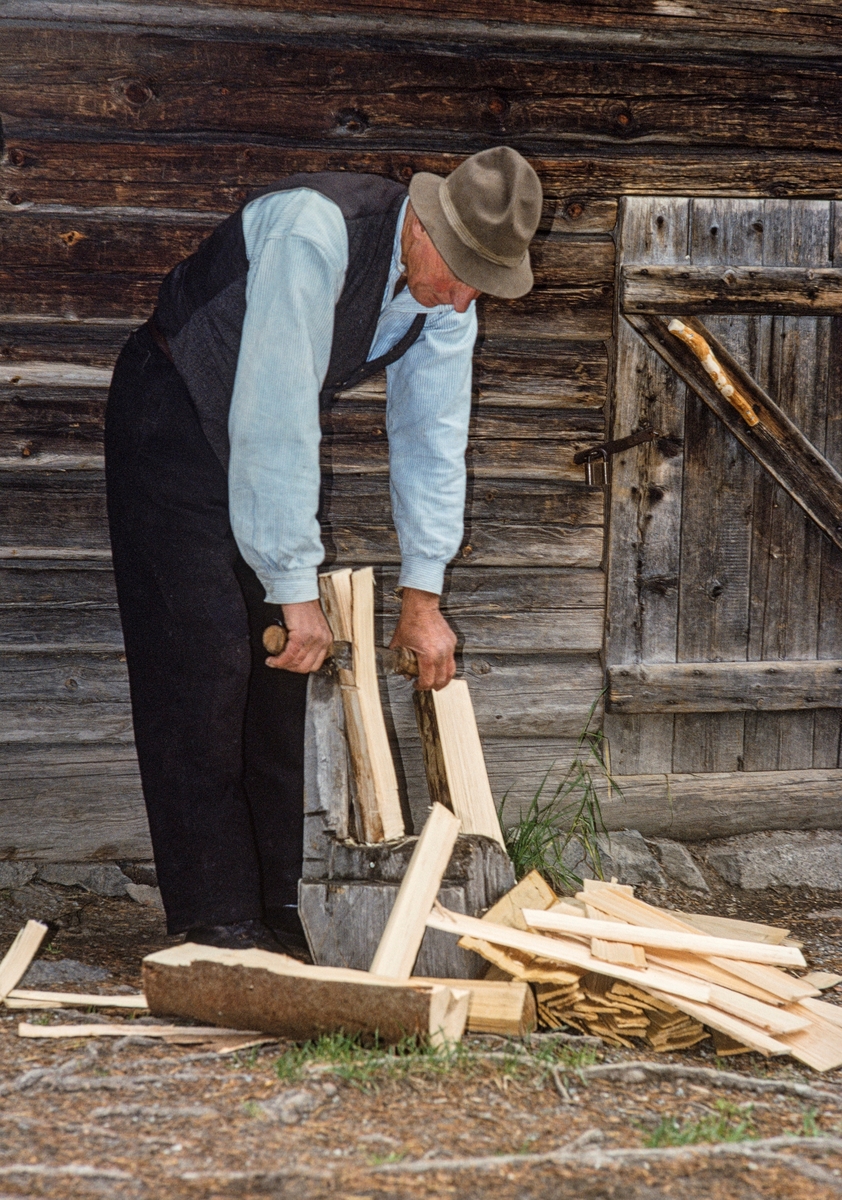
367	1065
571	816
727	1124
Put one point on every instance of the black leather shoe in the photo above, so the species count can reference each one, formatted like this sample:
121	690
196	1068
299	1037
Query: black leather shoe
285	924
243	935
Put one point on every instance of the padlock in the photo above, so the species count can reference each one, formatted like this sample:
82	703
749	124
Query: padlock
596	469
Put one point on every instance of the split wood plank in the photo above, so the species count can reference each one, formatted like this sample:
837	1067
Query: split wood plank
559	950
506	1007
532	891
626	953
16	960
24	998
398	949
365	677
739	290
703	968
644	543
819	1045
699	687
665	939
636	912
348	601
822	979
279	995
453	758
336	597
731	927
714	1018
831	1013
775	442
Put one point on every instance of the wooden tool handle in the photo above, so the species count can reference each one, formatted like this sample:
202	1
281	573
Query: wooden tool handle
399	661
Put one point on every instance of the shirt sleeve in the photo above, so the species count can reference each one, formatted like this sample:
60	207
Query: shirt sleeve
294	282
428	411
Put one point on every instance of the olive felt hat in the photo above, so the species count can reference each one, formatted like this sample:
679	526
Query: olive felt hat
481	219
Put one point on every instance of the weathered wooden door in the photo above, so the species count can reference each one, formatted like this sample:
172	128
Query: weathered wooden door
711	560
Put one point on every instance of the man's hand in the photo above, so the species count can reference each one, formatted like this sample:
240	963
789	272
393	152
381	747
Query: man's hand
309	638
423	629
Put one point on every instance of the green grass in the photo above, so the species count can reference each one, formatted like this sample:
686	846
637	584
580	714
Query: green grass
569	816
367	1066
728	1124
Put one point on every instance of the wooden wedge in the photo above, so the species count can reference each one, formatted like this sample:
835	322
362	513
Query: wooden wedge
17	959
398	948
253	989
560	950
665	939
453	758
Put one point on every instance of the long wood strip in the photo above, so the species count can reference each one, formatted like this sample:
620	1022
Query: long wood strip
714	1018
636	912
16	960
665	939
703	968
398	949
365	676
557	950
131	1029
24	998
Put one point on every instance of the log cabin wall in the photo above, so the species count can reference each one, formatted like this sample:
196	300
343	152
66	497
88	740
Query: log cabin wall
129	130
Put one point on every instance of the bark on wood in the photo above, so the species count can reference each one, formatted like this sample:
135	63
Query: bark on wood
248	989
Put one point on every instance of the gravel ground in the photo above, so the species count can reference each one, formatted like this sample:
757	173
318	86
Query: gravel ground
132	1118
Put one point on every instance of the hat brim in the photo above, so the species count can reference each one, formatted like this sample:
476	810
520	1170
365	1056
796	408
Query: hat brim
471	268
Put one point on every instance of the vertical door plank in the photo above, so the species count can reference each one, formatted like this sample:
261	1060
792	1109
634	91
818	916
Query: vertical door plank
716	508
827	734
787	547
645	520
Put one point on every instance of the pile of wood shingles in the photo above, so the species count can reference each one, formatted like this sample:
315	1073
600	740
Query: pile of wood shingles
606	963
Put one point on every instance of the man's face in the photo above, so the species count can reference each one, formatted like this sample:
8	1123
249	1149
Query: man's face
428	277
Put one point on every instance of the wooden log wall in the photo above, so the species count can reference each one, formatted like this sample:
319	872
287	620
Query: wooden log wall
129	130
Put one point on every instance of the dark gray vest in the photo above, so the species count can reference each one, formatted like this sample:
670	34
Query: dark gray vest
202	302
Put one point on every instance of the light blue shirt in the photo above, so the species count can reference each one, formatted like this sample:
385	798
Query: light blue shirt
297	247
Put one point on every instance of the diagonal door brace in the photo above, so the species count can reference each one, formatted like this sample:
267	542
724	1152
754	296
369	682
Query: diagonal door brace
776	443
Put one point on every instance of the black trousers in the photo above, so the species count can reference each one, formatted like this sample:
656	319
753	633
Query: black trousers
219	735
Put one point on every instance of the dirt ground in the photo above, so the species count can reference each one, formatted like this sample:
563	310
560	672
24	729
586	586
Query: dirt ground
130	1118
